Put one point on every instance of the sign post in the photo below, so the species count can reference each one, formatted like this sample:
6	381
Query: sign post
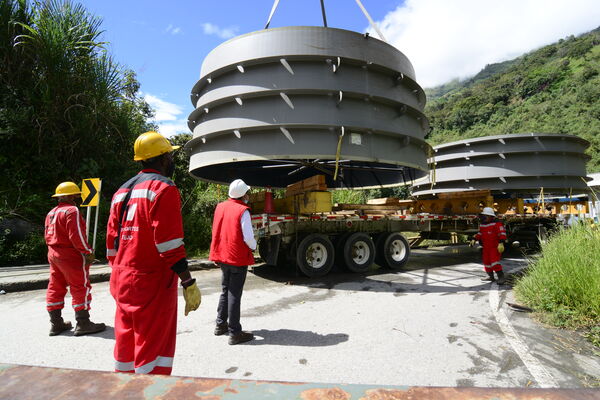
90	194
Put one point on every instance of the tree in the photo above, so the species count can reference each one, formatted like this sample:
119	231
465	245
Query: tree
67	110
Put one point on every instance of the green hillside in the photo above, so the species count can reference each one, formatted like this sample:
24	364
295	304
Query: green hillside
555	89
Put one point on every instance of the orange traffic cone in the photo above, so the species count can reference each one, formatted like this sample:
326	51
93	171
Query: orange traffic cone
269	201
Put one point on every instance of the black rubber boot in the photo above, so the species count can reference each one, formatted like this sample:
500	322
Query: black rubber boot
57	324
221	329
85	326
501	279
489	278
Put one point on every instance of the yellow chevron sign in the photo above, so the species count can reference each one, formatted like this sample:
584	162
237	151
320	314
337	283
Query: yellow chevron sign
90	192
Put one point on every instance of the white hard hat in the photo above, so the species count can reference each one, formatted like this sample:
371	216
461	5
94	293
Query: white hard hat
238	188
488	211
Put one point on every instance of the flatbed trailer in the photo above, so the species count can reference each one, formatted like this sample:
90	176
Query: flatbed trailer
314	243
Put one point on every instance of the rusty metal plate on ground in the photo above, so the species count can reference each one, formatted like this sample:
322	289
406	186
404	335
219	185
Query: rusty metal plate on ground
26	382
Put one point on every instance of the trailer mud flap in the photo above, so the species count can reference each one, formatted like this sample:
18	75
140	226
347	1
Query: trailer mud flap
268	249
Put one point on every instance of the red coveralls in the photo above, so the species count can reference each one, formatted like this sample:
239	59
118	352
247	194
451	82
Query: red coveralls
67	246
490	236
142	283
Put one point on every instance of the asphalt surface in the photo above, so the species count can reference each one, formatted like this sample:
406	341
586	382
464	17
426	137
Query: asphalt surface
433	324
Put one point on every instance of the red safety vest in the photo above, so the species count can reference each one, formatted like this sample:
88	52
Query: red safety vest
228	244
151	233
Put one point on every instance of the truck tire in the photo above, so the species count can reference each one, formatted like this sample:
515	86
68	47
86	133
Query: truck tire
358	252
338	244
315	255
393	250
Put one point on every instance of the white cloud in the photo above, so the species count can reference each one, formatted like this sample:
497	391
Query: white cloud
170	129
223	33
456	39
168	116
173	30
164	110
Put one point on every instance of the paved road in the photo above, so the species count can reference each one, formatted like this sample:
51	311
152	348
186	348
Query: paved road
434	324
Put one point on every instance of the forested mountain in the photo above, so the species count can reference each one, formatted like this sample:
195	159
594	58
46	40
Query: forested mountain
555	89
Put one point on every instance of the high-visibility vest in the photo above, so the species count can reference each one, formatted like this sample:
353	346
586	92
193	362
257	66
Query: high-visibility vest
227	245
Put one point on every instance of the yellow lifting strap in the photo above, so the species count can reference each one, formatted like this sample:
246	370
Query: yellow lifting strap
337	154
541	201
432	163
570	198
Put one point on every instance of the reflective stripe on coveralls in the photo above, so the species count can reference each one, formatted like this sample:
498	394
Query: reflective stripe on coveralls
159	362
169	245
124	366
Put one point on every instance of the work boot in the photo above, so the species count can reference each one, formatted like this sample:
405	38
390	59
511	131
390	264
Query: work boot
489	278
501	279
57	324
221	329
240	337
84	325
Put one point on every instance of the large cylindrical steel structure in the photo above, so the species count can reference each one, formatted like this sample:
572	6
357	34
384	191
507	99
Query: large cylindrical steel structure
279	105
517	163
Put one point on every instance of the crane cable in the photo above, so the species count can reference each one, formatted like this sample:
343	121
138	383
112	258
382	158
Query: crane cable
323	12
360	5
275	4
371	22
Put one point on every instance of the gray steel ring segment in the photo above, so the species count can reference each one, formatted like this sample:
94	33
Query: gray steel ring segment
271	107
522	163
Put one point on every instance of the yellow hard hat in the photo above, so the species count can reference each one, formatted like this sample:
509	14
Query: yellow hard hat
151	144
66	189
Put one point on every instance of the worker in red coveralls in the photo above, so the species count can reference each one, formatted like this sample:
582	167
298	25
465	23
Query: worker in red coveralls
231	248
70	256
144	246
491	236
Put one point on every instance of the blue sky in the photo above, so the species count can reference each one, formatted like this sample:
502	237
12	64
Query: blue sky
165	42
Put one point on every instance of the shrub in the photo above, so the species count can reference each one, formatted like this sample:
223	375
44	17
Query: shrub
563	282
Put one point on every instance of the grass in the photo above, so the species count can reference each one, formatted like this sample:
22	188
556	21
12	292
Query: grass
562	283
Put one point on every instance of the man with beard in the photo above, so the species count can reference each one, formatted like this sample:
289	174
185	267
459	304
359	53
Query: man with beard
144	246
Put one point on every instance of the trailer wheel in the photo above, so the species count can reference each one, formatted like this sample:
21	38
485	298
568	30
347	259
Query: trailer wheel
315	255
358	252
392	250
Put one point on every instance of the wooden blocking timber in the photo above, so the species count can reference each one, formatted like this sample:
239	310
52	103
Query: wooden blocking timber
454	206
384	200
398	207
257	196
303	203
314	183
308	203
465	194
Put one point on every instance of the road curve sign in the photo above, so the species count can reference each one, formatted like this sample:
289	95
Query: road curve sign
90	192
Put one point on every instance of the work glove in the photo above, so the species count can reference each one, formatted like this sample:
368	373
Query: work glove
192	297
89	258
500	248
